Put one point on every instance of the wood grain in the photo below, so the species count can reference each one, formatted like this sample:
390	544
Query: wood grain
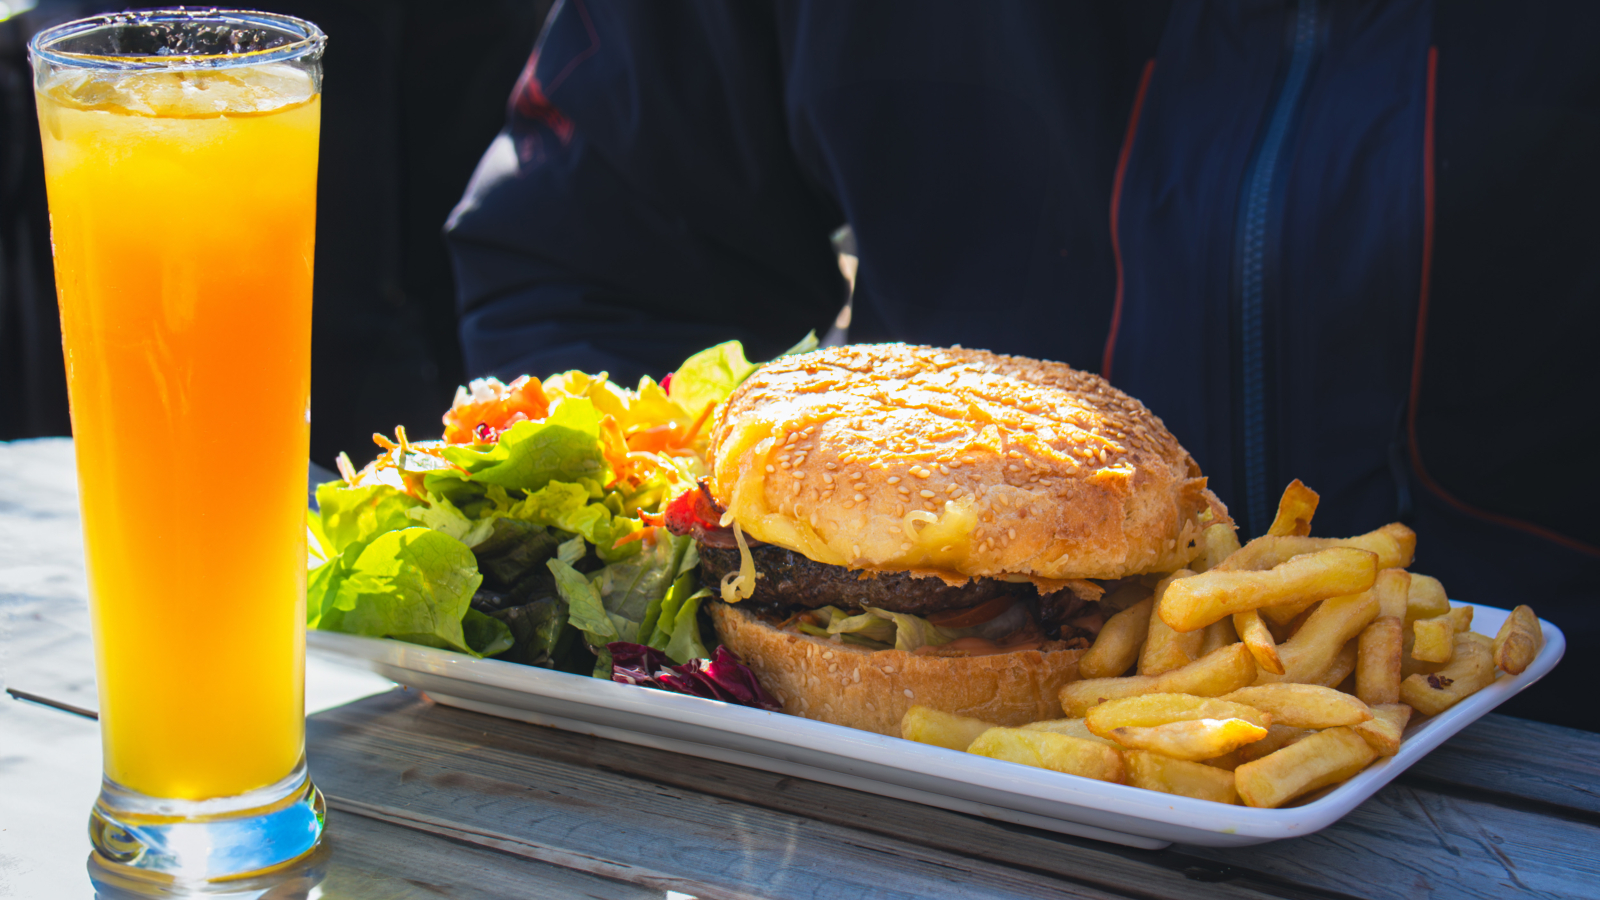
1515	760
371	858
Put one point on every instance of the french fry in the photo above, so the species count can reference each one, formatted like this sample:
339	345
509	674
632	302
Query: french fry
1519	641
1307	656
1295	509
1340	670
1211	675
1433	639
1069	727
1288	616
1378	657
1271	550
1407	540
1219	542
1116	648
1386	727
1258	639
1302	705
1426	598
1218	634
1194	740
1193	603
1327	757
1149	710
1165	649
927	725
1471	669
1392	588
1278	737
1229	760
1046	750
1154	772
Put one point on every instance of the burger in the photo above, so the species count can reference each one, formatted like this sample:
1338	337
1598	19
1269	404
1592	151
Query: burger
891	525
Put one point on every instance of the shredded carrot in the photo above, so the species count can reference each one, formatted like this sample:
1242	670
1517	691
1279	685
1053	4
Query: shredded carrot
648	531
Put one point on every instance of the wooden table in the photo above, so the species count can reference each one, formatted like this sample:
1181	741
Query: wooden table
430	801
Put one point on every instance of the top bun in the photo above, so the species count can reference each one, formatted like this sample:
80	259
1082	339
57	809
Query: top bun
956	463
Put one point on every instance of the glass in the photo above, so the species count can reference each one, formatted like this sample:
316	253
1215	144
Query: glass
180	152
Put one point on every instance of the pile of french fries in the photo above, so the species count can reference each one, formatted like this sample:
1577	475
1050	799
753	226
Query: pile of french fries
1269	673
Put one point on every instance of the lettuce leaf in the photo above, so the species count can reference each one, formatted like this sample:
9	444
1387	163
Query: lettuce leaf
912	631
867	625
415	585
585	610
683	642
571	508
628	588
564	447
348	515
710	376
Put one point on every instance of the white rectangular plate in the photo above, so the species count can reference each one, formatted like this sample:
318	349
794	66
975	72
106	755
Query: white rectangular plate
898	768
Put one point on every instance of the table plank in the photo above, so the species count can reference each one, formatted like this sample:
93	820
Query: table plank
1410	842
372	858
1507	760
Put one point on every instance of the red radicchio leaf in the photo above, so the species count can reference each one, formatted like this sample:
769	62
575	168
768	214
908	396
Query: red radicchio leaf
722	677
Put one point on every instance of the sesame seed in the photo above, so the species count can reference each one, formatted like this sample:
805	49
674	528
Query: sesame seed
952	489
827	654
855	551
1011	533
827	478
899	509
909	694
813	520
921	473
894	479
888	670
944	470
860	497
905	546
927	494
770	470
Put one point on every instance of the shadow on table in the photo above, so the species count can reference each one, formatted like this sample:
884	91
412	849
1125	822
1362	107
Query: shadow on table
298	881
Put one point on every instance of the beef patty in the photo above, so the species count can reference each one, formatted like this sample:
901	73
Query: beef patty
790	579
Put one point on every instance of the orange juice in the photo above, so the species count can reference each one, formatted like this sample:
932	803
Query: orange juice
182	209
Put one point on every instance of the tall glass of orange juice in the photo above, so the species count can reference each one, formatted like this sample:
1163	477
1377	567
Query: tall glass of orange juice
180	152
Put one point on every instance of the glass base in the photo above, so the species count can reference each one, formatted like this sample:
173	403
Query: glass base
193	843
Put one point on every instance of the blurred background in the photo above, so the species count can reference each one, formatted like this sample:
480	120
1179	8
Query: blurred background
417	91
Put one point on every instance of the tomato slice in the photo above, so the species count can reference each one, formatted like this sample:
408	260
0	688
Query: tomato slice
974	615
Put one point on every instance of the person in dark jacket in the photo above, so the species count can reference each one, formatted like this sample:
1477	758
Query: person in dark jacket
1351	243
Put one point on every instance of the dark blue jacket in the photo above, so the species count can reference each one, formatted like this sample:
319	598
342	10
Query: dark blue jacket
1349	242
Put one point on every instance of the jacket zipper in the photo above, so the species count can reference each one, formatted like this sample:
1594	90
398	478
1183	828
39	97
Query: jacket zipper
1255	215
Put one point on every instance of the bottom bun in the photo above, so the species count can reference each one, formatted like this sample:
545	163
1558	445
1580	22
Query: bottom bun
848	684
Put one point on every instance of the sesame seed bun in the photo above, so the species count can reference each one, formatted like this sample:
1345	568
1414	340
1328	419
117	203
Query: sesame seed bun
860	688
958	464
